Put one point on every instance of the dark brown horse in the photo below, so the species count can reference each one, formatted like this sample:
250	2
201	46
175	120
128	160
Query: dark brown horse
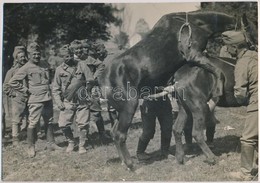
152	61
194	89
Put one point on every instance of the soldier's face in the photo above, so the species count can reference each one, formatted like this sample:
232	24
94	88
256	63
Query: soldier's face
232	49
67	58
21	59
78	51
35	57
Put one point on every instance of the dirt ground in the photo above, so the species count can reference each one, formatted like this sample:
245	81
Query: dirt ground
101	162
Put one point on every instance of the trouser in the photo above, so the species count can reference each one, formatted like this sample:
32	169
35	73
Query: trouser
150	110
95	116
36	110
249	142
19	114
81	113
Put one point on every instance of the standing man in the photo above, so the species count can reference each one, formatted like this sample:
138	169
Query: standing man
150	110
18	99
70	71
245	90
36	74
96	68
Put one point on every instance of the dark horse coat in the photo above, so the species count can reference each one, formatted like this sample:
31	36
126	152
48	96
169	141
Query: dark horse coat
152	61
194	89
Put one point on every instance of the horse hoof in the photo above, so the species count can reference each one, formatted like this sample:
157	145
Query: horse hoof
131	168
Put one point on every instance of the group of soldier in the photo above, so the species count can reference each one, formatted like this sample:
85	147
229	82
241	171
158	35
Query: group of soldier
28	84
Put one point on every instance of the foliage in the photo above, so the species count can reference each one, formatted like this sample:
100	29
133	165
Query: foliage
55	23
121	40
232	8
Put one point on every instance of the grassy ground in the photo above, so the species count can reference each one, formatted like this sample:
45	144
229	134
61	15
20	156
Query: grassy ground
101	162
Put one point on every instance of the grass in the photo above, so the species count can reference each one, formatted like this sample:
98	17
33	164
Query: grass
101	163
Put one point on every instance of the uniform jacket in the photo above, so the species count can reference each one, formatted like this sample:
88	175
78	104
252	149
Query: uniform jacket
246	78
16	96
65	75
96	67
38	81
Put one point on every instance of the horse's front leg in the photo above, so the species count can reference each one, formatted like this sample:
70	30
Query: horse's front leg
119	132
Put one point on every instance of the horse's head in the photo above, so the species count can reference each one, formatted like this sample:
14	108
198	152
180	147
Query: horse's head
212	22
250	30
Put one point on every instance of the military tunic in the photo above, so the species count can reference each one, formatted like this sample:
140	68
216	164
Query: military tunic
18	100
38	87
246	88
96	67
64	76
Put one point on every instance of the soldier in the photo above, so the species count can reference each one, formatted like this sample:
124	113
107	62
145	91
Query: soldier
96	68
36	74
18	100
54	60
245	91
150	110
69	72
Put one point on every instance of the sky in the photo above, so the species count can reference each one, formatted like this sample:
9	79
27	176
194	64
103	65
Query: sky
150	12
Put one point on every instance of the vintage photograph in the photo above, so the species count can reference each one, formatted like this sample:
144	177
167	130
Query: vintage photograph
149	91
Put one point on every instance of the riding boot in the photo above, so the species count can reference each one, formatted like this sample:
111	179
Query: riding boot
69	136
31	133
15	134
210	136
82	140
188	138
247	160
105	139
50	139
140	153
165	145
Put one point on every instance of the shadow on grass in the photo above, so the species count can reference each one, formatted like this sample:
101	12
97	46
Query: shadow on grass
222	145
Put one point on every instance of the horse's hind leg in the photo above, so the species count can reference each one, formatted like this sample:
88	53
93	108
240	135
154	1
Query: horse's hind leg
119	132
198	127
178	128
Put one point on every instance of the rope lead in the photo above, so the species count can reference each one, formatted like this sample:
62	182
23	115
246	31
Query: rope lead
186	24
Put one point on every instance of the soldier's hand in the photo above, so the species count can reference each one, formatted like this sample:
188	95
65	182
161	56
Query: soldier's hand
61	106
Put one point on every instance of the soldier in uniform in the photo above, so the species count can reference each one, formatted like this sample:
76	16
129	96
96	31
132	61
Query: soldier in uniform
18	100
69	72
150	110
245	91
36	74
96	68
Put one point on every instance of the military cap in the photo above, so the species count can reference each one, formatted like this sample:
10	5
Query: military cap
233	37
33	47
75	44
85	43
65	50
18	49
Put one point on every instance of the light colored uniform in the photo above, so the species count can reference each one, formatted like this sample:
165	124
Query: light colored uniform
96	67
74	108
38	87
246	87
18	100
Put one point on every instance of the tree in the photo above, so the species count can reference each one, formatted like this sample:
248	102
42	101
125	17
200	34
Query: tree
54	24
236	9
